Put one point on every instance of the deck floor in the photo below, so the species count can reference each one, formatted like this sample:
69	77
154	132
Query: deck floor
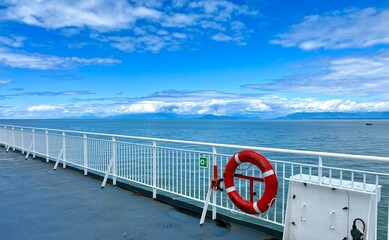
39	203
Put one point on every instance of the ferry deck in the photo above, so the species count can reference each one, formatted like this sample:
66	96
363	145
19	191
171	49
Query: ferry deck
40	203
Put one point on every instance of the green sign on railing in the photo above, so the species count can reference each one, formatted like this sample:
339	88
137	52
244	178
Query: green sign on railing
203	162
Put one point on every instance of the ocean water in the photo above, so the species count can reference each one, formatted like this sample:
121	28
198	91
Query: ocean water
341	136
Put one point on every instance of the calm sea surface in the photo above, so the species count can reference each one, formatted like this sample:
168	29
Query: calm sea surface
341	136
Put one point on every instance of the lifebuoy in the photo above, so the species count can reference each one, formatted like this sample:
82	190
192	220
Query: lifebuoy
270	179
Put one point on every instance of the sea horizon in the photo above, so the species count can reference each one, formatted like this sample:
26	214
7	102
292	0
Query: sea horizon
351	136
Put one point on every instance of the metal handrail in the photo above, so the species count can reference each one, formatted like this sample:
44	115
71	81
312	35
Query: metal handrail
231	146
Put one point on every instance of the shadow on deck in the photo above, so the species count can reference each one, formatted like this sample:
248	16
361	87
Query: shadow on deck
39	203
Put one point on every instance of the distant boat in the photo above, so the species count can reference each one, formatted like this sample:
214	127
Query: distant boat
369	123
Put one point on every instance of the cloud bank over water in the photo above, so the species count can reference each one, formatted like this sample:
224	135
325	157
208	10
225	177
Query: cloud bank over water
189	103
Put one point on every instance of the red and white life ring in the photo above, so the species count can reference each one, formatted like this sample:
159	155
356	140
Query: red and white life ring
270	179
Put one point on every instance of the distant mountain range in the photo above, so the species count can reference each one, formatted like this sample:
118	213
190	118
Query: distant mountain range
302	115
171	116
146	116
338	115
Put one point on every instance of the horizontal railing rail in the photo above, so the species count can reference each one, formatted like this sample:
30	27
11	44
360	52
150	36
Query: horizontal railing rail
264	149
172	167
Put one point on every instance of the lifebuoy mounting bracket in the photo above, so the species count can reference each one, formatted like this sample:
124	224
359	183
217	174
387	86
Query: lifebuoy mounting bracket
215	183
213	187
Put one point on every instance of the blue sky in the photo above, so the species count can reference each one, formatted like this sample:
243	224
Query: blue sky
258	58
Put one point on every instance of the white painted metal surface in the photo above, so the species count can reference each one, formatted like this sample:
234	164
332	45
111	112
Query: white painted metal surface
171	167
322	210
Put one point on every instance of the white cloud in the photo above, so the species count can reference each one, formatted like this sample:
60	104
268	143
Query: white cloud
237	35
205	24
333	105
146	13
185	107
5	81
222	10
12	41
139	107
355	28
179	20
149	3
152	43
190	96
179	3
366	76
221	37
98	15
134	20
180	35
43	108
126	44
43	62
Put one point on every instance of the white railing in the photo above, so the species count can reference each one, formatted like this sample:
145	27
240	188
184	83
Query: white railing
172	167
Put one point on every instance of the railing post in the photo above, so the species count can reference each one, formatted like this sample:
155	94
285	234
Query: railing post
64	150
214	163
320	170
22	133
85	144
154	170
33	143
114	165
387	234
7	144
47	145
13	139
5	137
